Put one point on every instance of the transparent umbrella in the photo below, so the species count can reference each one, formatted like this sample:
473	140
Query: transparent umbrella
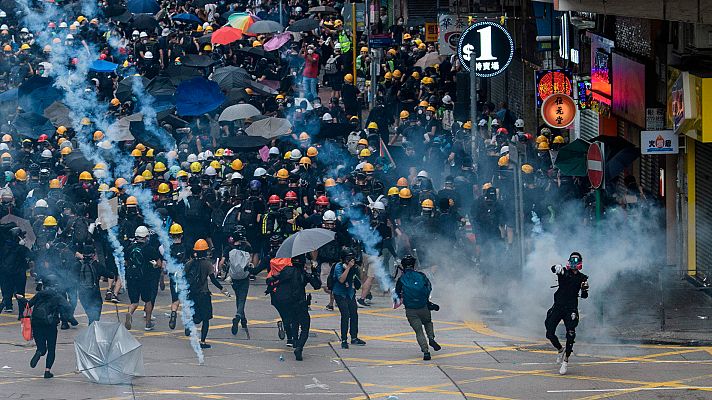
108	354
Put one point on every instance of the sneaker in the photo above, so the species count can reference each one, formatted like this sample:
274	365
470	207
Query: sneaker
108	296
358	342
204	345
344	344
564	368
560	356
149	326
114	299
48	375
8	310
187	332
330	307
290	343
247	331
252	278
280	330
127	321
434	344
73	321
426	356
65	326
172	321
162	285
35	359
369	296
298	354
362	303
235	326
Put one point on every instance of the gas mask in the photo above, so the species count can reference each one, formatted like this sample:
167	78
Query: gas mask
575	262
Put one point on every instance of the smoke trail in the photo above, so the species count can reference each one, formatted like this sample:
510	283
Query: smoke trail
113	235
146	107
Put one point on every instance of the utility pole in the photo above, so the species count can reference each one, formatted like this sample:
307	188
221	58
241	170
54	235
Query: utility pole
473	107
281	14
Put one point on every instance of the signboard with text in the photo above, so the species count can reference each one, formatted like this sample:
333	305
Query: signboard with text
431	31
450	28
558	110
549	82
659	142
491	46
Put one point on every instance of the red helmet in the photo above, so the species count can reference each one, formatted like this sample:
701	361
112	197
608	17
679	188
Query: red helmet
42	138
322	201
529	136
274	199
291	195
502	131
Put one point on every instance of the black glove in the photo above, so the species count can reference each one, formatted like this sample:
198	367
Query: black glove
433	307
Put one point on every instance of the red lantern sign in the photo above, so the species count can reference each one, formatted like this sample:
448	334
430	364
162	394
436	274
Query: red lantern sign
552	82
558	110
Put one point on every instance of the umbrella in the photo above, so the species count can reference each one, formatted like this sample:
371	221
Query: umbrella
304	241
231	77
154	137
108	354
113	10
198	61
9	95
197	96
124	18
143	6
187	18
241	21
277	41
102	66
22	224
180	73
39	99
571	159
167	117
265	26
32	125
124	90
429	60
269	128
77	162
258	52
120	131
161	88
58	114
205	39
144	22
298	101
304	25
243	142
226	35
239	111
261	88
619	154
323	10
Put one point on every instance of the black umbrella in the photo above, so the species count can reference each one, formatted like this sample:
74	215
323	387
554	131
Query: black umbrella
265	26
37	94
32	125
77	162
154	137
168	117
205	39
198	61
124	90
323	10
619	154
144	22
32	83
124	17
304	25
235	96
243	142
58	114
231	77
161	88
258	52
180	73
114	10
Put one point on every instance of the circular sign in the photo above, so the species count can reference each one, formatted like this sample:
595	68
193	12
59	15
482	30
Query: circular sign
594	163
558	110
491	46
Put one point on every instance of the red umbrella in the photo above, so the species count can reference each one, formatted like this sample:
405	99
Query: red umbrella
226	35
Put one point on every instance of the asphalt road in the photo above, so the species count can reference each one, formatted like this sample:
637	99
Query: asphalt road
476	362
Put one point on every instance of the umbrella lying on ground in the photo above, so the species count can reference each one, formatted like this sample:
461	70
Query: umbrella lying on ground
108	354
304	25
265	26
304	241
269	128
31	125
239	111
58	114
77	162
180	73
124	90
161	88
197	96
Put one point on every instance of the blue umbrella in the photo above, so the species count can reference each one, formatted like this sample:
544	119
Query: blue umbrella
197	96
9	95
102	66
32	125
187	18
143	6
36	94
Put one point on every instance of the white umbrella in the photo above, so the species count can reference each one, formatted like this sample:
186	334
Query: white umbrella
269	128
108	354
304	241
299	100
239	111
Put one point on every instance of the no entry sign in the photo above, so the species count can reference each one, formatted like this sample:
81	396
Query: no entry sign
594	162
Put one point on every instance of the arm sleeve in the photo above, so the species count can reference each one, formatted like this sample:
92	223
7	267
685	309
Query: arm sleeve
399	288
215	281
314	280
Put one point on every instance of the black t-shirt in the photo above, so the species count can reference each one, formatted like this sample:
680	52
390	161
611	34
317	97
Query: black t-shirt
567	294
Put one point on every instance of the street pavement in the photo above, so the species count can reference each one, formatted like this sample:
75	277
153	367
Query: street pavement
478	361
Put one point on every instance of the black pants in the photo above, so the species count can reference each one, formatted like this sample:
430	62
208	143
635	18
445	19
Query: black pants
570	317
12	283
296	322
91	302
46	340
349	316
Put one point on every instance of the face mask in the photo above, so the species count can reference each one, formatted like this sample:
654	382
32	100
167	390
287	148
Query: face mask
427	117
310	51
22	242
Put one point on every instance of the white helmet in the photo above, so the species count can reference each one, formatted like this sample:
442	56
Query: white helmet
519	123
192	158
3	14
296	155
148	55
210	171
337	46
143	35
329	216
208	154
41	203
3	147
104	144
61	24
327	117
69	37
66	143
273	151
99	174
134	33
504	150
141	232
447	99
46	154
236	175
4	27
423	174
378	206
495	122
260	172
298	9
24	30
201	156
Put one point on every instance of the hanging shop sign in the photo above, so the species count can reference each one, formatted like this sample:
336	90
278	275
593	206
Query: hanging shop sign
584	94
491	46
558	110
658	142
450	28
431	31
553	82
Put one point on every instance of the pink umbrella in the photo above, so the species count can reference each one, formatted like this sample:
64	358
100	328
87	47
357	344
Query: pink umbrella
277	41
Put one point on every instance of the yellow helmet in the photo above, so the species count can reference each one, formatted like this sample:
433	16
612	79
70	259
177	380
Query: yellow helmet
404	114
388	76
406	36
364	49
99	166
503	161
467	125
119	182
195	167
372	125
215	164
21	175
282	174
423	103
199	28
393	191
236	165
163	188
98	135
219	153
176	229
427	203
431	108
415	75
131	201
208	47
486	186
349	78
85	176
256	43
50	221
149	153
61	130
527	169
86	121
421	45
181	174
329	182
363	142
59	141
147	175
365	153
288	154
159	167
541	138
115	102
136	153
139	179
66	151
312	151
103	188
543	146
141	147
397	74
55	184
305	160
405	193
25	46
559	139
392	52
6	155
368	167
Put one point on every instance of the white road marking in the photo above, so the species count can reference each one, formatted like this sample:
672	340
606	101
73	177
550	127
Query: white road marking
630	389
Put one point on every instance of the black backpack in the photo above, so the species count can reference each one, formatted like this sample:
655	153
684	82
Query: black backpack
248	213
88	278
135	261
79	230
330	279
193	209
193	277
288	289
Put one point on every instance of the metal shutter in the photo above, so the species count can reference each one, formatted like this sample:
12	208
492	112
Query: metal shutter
703	210
588	124
498	90
515	89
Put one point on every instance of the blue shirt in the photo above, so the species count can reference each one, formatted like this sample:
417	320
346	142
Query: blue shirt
343	289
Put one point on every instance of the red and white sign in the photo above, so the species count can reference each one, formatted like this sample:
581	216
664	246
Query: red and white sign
594	162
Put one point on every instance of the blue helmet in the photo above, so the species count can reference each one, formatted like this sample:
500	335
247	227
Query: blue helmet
255	185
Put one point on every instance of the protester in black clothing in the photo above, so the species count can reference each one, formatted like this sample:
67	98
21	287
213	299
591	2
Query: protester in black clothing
344	278
571	282
143	270
13	268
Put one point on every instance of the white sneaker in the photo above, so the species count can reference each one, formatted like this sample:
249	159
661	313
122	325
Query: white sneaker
564	368
560	356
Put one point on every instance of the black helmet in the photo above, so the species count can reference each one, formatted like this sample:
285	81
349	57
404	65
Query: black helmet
408	261
348	255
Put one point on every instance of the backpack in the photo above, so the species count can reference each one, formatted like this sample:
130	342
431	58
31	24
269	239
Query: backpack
79	231
88	278
416	289
288	288
135	261
238	260
193	277
193	209
330	280
330	67
448	119
248	214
